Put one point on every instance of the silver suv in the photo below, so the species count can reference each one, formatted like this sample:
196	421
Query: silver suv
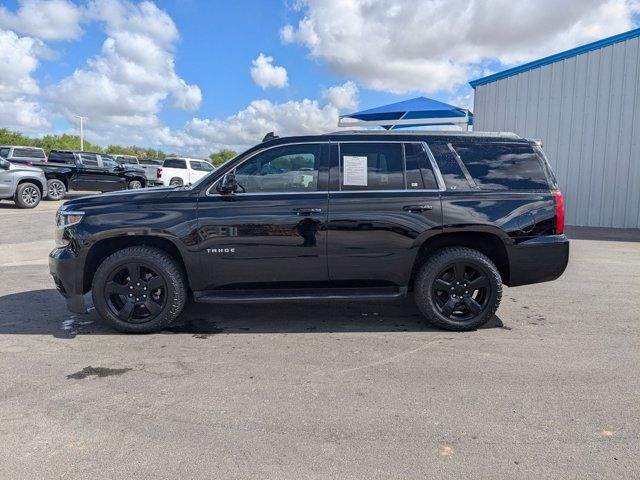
24	184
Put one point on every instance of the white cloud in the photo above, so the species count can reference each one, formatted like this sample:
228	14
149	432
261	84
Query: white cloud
44	19
404	46
122	89
248	127
267	75
19	58
343	97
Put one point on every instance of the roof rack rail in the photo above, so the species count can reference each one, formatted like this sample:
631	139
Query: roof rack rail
426	132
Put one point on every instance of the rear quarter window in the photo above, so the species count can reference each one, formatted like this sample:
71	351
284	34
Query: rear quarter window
502	166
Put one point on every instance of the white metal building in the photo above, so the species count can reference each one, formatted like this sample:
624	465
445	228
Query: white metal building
584	104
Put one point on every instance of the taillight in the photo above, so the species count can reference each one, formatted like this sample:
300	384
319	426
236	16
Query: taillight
159	173
557	194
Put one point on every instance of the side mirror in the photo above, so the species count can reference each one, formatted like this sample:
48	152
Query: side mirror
228	185
4	164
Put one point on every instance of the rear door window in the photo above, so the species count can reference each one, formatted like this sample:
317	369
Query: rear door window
419	172
89	159
4	152
371	166
502	166
201	166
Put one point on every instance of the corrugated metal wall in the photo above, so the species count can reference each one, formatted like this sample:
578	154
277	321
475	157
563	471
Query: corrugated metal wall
586	110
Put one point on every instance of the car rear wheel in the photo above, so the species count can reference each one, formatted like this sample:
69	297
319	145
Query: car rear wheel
139	290
135	184
27	195
56	190
458	289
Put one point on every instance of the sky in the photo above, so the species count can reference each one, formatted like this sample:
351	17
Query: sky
194	76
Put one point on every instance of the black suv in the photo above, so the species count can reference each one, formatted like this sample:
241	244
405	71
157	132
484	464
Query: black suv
353	215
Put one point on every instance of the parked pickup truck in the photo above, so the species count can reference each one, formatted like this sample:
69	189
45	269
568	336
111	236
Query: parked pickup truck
152	172
23	155
78	170
23	184
184	171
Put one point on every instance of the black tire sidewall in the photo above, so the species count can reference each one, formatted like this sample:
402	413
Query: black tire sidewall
439	262
161	263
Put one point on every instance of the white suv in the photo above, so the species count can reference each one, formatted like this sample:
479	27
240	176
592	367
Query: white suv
184	171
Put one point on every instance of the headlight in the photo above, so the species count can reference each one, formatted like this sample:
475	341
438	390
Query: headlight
65	219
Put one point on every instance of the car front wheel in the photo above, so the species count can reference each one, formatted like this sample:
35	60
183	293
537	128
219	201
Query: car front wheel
458	289
139	290
28	195
135	184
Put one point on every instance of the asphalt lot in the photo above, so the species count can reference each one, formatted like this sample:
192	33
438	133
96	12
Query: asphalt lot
550	389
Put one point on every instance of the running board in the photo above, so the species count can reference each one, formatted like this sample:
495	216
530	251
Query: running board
299	295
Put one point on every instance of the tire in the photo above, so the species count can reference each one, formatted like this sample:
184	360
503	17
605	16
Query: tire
28	195
160	277
454	272
135	184
56	190
176	182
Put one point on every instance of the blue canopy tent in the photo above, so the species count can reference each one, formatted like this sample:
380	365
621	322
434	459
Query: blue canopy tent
420	111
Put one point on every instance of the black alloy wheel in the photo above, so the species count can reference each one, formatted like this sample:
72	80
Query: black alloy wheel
135	293
139	289
458	288
461	291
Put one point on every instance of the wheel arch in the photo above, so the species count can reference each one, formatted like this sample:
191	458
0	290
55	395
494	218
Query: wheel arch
104	247
34	181
490	244
62	178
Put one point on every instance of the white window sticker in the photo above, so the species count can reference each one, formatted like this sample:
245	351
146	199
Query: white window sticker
354	171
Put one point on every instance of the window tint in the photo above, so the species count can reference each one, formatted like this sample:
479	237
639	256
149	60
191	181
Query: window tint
4	152
89	159
371	166
124	159
290	168
61	157
502	166
419	172
28	152
175	163
147	161
201	166
449	167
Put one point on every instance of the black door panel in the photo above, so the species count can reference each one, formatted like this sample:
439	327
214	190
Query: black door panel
373	238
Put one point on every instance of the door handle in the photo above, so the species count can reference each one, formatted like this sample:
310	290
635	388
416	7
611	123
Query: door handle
417	208
306	211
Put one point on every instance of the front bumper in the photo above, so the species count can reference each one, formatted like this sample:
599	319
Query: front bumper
538	260
67	270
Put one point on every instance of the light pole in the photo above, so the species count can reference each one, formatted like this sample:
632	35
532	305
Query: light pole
81	131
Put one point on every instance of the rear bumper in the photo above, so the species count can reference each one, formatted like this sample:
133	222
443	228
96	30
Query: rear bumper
538	260
66	269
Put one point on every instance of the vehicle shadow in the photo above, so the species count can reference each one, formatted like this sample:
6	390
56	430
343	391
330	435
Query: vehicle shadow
43	312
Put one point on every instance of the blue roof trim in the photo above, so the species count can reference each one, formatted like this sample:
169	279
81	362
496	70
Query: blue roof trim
605	42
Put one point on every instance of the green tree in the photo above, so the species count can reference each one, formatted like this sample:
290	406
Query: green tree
218	158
